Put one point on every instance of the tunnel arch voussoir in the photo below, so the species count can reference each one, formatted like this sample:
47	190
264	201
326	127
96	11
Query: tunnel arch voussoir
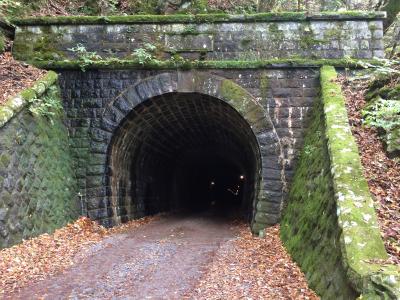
264	211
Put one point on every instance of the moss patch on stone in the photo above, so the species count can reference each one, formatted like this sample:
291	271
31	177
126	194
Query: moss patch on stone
236	96
41	46
196	18
309	226
329	225
360	238
18	102
37	166
114	63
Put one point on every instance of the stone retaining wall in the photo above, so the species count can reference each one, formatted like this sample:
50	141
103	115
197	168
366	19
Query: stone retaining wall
37	181
330	225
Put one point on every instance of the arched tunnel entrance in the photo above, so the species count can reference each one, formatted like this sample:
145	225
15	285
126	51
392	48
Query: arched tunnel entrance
183	152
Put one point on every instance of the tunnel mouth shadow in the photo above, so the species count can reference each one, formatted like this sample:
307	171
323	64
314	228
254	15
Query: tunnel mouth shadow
183	152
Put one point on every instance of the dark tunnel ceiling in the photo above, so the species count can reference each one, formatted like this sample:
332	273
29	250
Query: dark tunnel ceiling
174	124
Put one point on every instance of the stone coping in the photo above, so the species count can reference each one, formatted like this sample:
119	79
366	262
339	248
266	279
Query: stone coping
16	103
362	248
114	63
199	18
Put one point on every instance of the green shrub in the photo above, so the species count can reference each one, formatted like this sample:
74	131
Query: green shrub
385	116
85	57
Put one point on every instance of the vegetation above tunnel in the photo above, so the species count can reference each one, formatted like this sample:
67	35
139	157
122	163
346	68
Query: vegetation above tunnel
114	63
198	18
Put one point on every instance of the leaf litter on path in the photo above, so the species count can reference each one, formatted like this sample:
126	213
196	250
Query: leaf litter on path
250	267
50	254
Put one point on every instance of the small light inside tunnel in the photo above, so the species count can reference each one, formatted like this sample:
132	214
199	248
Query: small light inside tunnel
241	177
212	183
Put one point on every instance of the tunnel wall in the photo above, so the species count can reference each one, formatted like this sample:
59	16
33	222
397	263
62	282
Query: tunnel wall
38	191
329	224
285	95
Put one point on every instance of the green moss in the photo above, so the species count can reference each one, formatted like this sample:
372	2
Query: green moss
44	48
394	93
113	63
355	14
41	46
2	42
333	33
28	94
246	42
378	86
236	96
45	199
308	41
190	30
274	31
15	104
329	225
360	237
189	18
309	227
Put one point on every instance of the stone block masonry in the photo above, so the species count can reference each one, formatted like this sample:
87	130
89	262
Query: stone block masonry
37	181
262	66
330	212
285	96
208	37
208	93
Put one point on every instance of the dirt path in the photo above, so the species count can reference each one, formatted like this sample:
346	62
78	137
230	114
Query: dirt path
179	257
163	259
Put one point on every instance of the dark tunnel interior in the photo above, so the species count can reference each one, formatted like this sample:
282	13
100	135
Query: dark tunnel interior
183	152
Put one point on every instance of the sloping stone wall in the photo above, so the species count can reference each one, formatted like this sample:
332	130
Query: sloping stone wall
330	225
309	226
37	181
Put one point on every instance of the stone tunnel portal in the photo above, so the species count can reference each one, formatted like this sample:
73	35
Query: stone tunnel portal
183	152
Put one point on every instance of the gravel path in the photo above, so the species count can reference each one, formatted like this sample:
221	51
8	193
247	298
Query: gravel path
160	260
175	257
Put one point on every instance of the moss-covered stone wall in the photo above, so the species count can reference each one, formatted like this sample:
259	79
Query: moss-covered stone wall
329	225
37	180
217	37
309	226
